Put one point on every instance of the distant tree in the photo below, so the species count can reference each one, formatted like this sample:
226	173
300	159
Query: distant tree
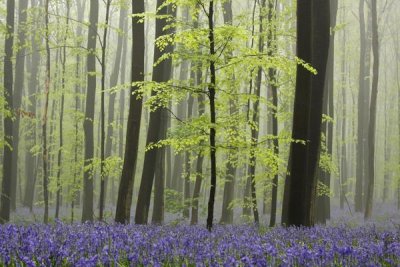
18	91
62	104
31	165
8	124
372	116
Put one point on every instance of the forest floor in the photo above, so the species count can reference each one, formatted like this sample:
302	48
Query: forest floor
345	241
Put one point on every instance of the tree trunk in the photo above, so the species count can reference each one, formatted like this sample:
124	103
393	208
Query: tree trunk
87	209
160	74
125	192
102	112
17	94
30	159
272	9
8	124
372	114
200	157
113	83
323	201
229	185
211	96
59	157
312	46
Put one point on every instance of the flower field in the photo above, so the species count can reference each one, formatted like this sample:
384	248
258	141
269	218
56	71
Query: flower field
98	244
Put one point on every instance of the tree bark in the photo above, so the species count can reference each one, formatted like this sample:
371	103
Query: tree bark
211	96
312	46
372	114
62	100
113	83
87	209
272	9
229	185
17	94
30	159
102	112
125	191
5	205
160	74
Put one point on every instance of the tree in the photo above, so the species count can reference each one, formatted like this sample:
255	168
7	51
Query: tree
229	184
44	118
62	100
87	210
8	124
125	192
102	112
211	96
362	109
272	73
372	114
17	93
312	46
156	130
30	159
113	82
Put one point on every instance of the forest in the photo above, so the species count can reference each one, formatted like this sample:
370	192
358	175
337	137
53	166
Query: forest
199	133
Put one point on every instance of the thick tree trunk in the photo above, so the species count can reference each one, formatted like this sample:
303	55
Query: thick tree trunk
87	209
372	114
313	46
153	134
8	124
125	191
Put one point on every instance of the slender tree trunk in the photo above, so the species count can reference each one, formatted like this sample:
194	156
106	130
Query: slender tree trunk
30	159
229	185
372	114
17	94
211	96
113	83
200	157
272	9
159	181
125	192
59	157
44	119
122	96
186	189
87	209
8	124
102	112
361	109
323	201
343	163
